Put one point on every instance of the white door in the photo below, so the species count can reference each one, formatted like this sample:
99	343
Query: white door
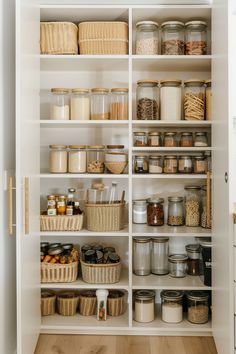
27	175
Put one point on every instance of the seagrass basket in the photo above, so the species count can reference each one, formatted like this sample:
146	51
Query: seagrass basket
59	273
48	303
101	273
116	305
67	303
61	222
88	303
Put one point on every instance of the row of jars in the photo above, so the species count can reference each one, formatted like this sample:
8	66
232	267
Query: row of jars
171	164
165	101
81	104
170	139
177	38
173	304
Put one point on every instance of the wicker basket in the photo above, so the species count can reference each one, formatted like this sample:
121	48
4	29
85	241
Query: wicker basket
116	303
59	273
116	167
61	223
67	303
101	273
58	38
88	303
48	303
103	38
105	217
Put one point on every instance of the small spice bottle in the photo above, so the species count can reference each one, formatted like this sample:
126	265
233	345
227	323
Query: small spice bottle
51	210
199	164
193	253
144	306
178	265
61	205
154	139
141	164
155	164
140	139
172	306
186	139
185	164
119	104
170	139
155	212
170	164
175	211
198	308
142	255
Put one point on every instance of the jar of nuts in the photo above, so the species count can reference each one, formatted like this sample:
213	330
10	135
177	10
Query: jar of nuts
175	211
155	212
95	159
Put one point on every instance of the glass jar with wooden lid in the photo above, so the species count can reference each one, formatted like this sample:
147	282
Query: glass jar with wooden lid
194	100
170	164
119	104
77	159
58	159
95	159
147	38
196	38
140	139
186	139
171	99
100	107
172	41
170	139
148	102
60	108
80	104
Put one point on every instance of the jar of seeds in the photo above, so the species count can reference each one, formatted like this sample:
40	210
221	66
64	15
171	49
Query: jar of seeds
192	206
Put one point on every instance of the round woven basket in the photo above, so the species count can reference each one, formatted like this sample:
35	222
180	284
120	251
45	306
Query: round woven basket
101	273
116	167
116	303
67	303
88	303
48	303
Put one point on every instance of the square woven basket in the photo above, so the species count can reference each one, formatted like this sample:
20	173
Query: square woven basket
61	222
101	273
59	273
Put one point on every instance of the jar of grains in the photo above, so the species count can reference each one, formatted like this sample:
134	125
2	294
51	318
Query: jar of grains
170	164
77	159
192	206
119	104
198	308
172	306
142	255
100	104
147	100
58	159
186	139
140	139
194	100
159	255
175	211
196	38
154	139
208	100
185	164
199	164
80	104
95	159
155	164
141	164
201	139
140	211
178	265
170	139
147	38
60	109
172	39
171	100
155	212
193	252
144	306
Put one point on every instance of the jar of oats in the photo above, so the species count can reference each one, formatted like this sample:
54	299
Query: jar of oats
95	159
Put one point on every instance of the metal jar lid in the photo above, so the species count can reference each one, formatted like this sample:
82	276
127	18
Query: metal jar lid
170	157
175	199
153	133
53	245
141	239
196	23
140	201
155	157
109	249
139	133
144	294
67	246
55	251
155	200
193	248
197	295
204	242
160	239
113	258
172	295
44	244
170	133
178	258
186	134
147	23
192	187
172	23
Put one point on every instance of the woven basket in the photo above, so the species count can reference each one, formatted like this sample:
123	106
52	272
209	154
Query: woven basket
58	38
88	303
67	304
105	217
116	167
116	305
101	273
48	303
59	273
61	223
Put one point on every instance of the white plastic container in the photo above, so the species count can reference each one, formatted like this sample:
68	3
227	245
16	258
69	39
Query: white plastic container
102	295
171	100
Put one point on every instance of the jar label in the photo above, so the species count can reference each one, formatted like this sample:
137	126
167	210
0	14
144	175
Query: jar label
52	212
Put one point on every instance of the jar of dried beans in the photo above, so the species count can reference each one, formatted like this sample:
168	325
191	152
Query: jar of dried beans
140	139
198	308
170	164
147	38
194	100
147	100
199	164
172	40
170	139
192	206
155	212
196	38
186	139
185	164
154	139
175	211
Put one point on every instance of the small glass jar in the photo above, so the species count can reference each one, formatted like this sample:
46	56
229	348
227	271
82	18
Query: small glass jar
147	38
60	108
147	100
51	205
140	139
194	100
142	255
208	160
208	100
77	159
171	100
175	211
154	139
159	255
198	308
192	206
170	164
119	104
196	38
200	139
140	164
206	216
170	139
185	164
178	265
95	159
155	164
172	39
155	212
58	159
193	252
140	211
144	306
80	104
186	139
199	164
100	104
172	306
61	205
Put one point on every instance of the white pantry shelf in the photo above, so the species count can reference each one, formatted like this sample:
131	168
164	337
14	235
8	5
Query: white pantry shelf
168	176
171	149
49	123
170	231
122	233
84	175
178	123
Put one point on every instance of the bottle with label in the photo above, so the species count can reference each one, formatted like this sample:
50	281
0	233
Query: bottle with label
70	202
76	209
51	205
61	205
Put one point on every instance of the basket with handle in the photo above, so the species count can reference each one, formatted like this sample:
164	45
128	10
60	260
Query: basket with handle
59	273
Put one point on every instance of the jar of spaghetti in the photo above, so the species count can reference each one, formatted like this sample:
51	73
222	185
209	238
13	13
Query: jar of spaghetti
154	139
170	164
194	100
170	139
155	212
119	104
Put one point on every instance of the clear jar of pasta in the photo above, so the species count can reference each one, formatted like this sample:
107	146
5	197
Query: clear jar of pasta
147	100
196	38
194	100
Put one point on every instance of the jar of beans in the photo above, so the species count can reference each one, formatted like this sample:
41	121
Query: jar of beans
140	139
170	164
170	139
175	211
199	164
154	139
185	164
193	252
155	212
141	164
147	100
192	206
186	139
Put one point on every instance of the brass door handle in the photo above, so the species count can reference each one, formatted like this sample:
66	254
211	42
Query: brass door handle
26	190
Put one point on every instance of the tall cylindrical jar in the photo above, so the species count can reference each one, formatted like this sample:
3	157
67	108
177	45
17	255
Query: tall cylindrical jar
59	108
80	104
171	100
192	206
95	159
208	100
159	255
100	108
119	104
172	306
175	211
142	255
172	40
140	211
144	306
147	100
147	38
77	159
194	100
196	38
58	159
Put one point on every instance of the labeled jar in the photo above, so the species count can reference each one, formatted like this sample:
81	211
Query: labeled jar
206	216
142	255
59	107
172	38
51	205
185	164
198	308
100	107
193	253
61	205
199	164
144	306
170	164
200	139
119	104
95	159
186	139
172	306
170	139
155	164
58	159
196	38
155	212
171	100
80	104
178	265
175	211
192	206
77	159
159	255
140	211
147	100
147	38
154	139
140	139
208	100
141	164
194	100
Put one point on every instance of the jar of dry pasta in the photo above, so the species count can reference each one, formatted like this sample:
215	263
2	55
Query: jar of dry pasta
208	100
194	100
119	104
148	102
196	38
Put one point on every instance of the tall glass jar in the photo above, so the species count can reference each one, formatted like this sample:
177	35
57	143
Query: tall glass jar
185	164
194	100
198	308
119	104
196	38
80	104
155	164
141	164
140	211
175	211
170	164
172	306
171	100
192	206
142	255
159	255
58	159
208	160
178	265
60	108
140	139
144	306
147	38
95	159
193	252
206	216
100	108
147	100
172	39
170	139
77	159
155	212
208	100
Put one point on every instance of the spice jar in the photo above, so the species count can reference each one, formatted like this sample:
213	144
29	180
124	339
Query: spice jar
61	205
170	164
119	104
51	205
175	211
58	159
147	38
154	139
172	39
95	159
171	100
199	164
170	139
80	104
178	265
196	38
185	164
142	255
206	216
155	212
208	100
198	308
140	139
194	100
77	159
140	164
192	206
147	100
140	211
186	139
155	164
172	306
200	139
159	255
144	306
59	108
193	252
100	104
